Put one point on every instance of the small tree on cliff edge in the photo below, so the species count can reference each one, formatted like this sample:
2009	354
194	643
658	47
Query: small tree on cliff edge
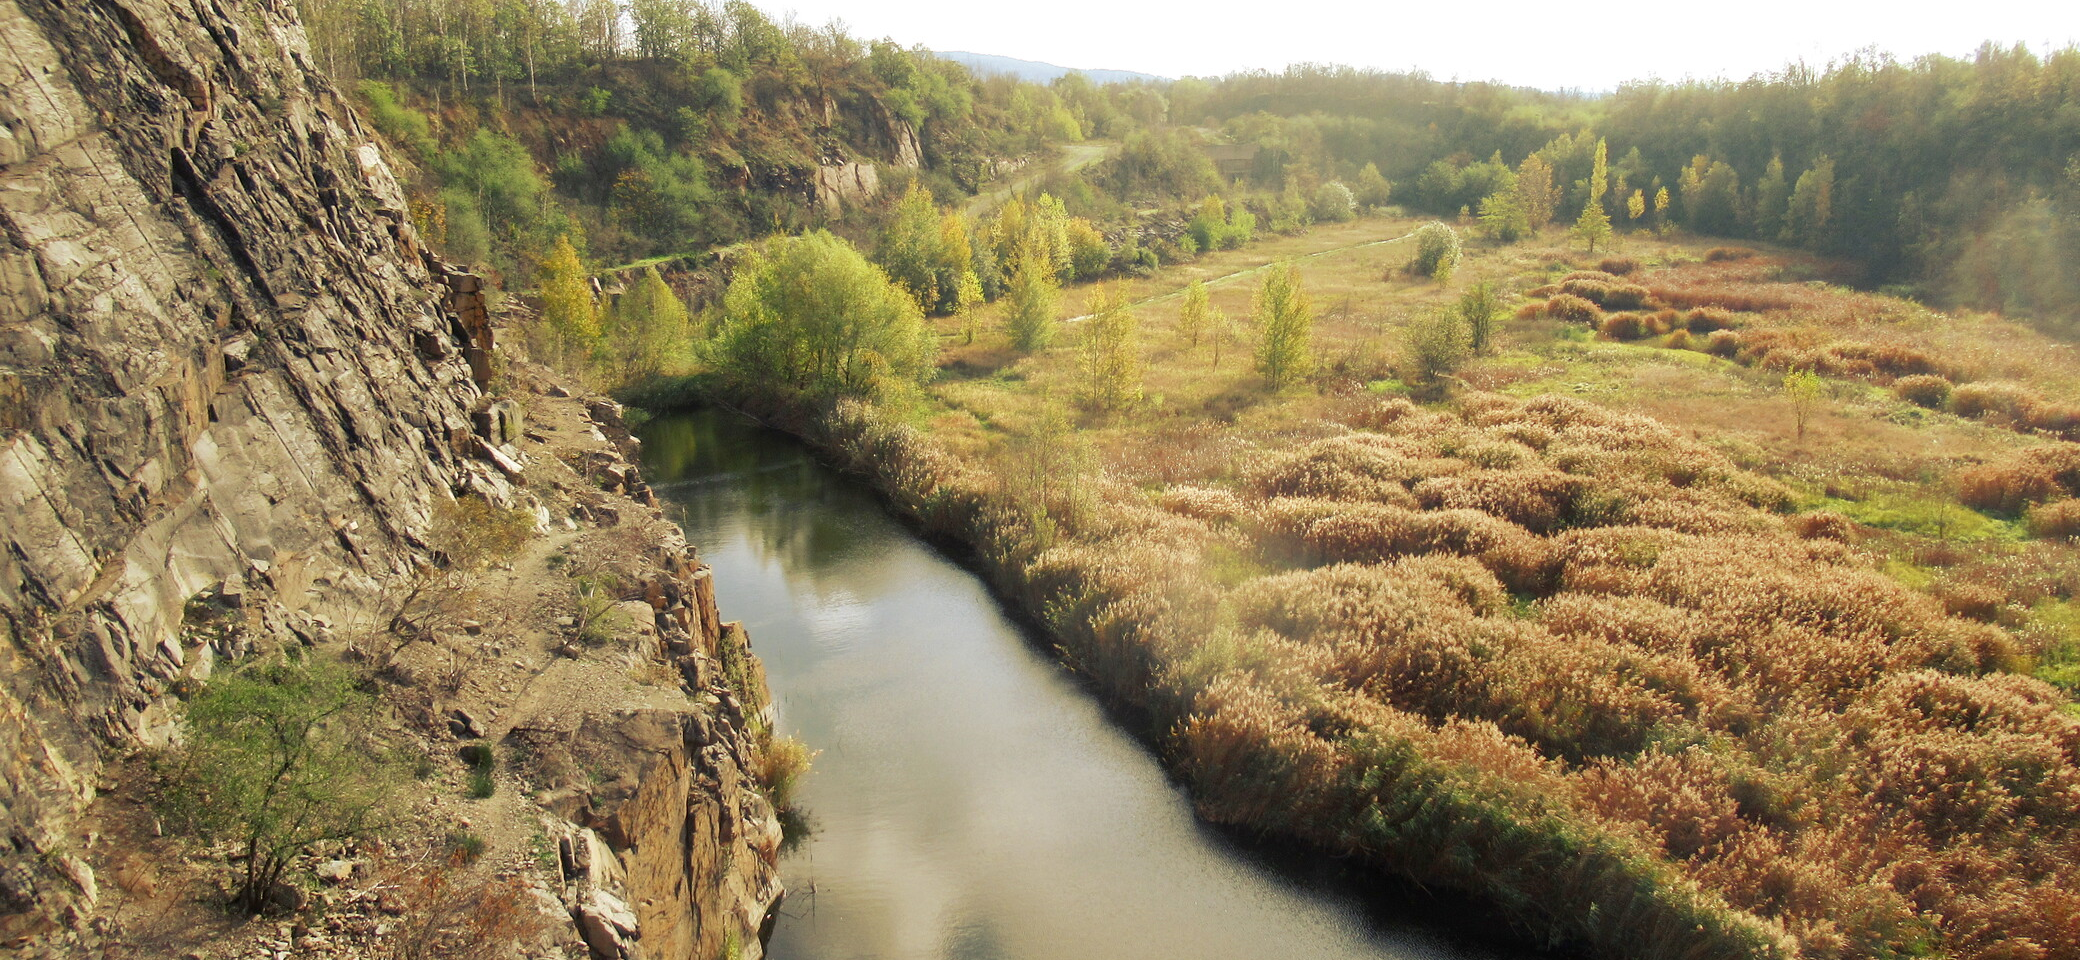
276	760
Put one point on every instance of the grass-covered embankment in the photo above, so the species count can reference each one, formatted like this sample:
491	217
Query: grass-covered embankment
1559	655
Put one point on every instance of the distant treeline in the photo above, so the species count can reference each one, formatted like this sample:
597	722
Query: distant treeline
653	127
1958	178
667	125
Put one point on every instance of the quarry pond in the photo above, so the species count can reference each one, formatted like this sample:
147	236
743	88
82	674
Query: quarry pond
969	798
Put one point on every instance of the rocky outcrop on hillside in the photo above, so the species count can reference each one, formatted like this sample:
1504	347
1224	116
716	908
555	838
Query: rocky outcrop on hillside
231	377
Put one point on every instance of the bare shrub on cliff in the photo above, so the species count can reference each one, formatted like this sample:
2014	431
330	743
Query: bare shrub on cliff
467	536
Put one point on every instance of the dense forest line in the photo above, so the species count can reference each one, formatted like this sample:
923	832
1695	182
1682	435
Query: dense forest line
653	127
1957	179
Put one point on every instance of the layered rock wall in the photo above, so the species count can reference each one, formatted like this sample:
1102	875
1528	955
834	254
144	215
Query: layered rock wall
225	362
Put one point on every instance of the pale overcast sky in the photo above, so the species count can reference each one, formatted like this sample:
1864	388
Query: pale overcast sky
1549	44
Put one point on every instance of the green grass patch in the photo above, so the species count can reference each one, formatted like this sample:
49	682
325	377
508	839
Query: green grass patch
1923	516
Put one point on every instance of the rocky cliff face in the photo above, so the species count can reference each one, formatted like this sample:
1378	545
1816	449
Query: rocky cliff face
226	364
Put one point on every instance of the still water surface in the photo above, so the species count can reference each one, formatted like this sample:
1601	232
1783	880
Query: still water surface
970	800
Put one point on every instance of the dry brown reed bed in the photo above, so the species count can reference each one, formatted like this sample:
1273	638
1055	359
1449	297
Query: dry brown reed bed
1549	653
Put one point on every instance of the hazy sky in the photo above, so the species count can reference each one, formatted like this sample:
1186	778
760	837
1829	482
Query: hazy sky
1550	44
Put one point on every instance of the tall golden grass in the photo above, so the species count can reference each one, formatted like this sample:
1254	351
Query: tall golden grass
1560	656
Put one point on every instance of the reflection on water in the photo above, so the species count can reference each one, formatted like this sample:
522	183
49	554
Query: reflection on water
970	800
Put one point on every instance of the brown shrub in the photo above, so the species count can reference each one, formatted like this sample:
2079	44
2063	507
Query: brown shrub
1979	400
1618	266
1923	390
1627	296
1722	254
2005	488
1823	525
1201	503
1367	467
1607	294
1723	343
1973	601
1708	319
2061	461
1680	340
1665	320
2059	418
1625	326
1593	291
1572	309
1539	500
2057	520
1530	310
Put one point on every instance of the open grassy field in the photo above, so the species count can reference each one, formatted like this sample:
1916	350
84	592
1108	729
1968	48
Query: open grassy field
1595	627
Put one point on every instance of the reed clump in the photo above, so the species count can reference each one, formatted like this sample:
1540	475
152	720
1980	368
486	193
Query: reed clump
1562	657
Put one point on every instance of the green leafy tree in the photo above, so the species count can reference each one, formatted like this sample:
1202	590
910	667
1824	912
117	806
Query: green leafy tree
967	296
1594	225
1109	351
1477	310
1802	388
1437	344
275	759
1772	197
1220	332
646	327
1812	205
1191	316
1333	203
910	248
1437	251
811	313
567	307
1502	216
1373	189
1284	318
1030	302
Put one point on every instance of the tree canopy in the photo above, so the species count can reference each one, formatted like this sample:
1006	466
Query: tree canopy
811	313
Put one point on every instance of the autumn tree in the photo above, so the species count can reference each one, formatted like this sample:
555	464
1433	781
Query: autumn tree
1220	333
1109	351
1536	194
1594	225
966	298
1284	318
567	309
1191	316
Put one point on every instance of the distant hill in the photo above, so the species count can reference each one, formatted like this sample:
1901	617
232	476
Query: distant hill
1035	71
